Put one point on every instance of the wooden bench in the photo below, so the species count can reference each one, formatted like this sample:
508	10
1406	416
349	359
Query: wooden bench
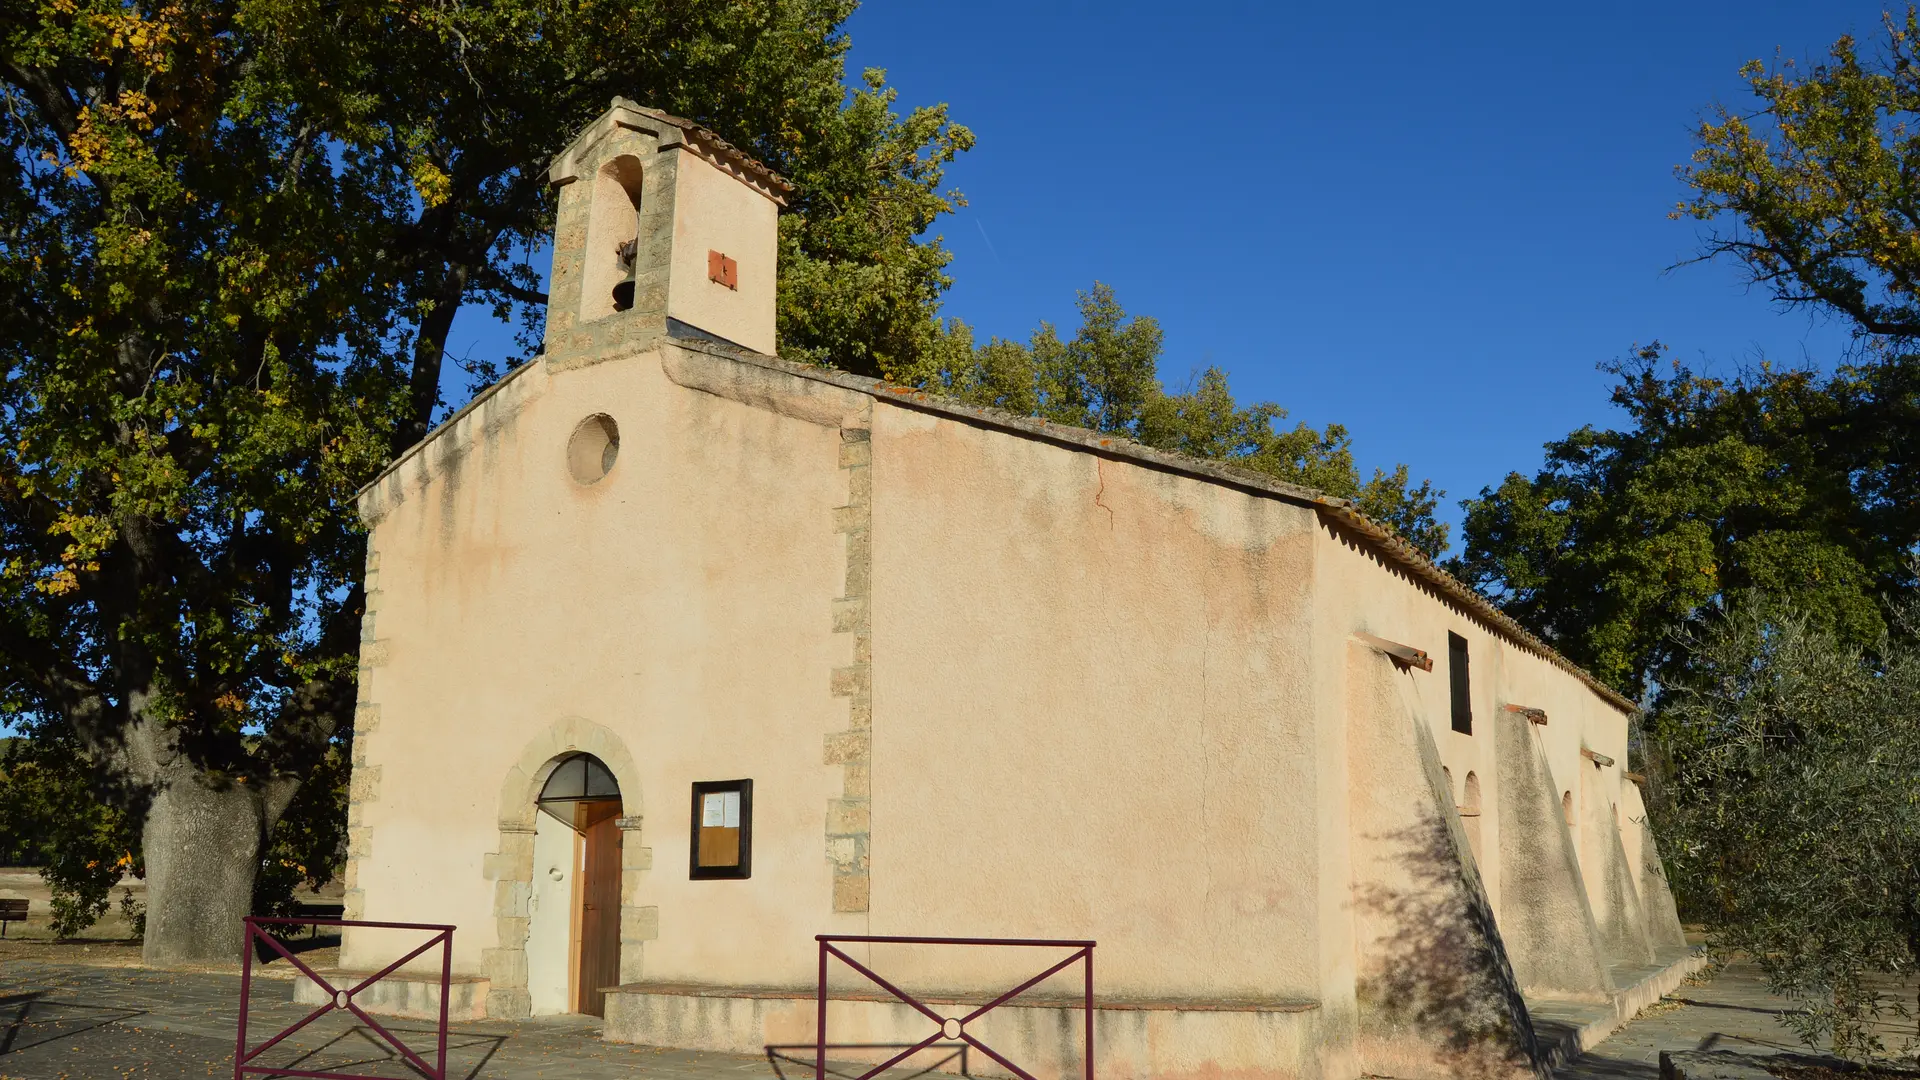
11	911
317	911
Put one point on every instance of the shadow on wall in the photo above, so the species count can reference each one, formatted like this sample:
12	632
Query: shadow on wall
1440	976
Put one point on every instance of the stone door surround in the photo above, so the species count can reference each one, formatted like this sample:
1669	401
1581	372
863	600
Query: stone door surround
510	868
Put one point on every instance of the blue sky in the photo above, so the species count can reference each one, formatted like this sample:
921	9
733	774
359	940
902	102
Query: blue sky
1427	222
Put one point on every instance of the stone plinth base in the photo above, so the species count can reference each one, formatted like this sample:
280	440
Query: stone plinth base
403	993
1248	1040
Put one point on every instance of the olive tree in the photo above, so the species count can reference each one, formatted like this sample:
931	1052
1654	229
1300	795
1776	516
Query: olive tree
1790	812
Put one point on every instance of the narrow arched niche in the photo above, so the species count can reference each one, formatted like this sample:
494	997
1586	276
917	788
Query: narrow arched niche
613	233
1566	806
1470	816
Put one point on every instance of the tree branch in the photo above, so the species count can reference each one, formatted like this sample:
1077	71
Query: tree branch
1809	273
490	279
47	96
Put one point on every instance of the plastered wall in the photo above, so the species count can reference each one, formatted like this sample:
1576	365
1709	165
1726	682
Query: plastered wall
1366	593
1434	994
1091	716
1575	909
988	678
715	212
679	609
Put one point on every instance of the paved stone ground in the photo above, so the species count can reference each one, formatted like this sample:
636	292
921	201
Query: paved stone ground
72	1022
1731	1011
87	1022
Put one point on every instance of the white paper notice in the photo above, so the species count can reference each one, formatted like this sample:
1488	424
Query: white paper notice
731	814
713	809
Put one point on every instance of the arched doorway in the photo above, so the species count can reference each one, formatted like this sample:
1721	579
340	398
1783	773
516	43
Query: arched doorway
573	931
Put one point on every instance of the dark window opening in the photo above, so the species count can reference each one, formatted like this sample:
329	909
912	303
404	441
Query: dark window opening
722	840
1462	692
580	777
580	785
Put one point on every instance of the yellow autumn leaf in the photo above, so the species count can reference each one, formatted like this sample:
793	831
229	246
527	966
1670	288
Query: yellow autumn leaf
433	185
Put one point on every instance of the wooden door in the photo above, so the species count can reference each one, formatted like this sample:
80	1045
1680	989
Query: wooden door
597	962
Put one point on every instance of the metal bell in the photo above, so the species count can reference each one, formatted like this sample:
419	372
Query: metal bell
623	289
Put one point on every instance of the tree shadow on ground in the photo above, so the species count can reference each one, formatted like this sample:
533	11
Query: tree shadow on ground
360	1047
1695	1002
33	1019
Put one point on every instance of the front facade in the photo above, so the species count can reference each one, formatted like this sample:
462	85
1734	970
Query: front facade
831	656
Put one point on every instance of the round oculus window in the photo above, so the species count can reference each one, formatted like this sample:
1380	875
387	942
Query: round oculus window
592	449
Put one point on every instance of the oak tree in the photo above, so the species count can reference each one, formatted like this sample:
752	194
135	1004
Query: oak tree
235	235
1791	816
1782	480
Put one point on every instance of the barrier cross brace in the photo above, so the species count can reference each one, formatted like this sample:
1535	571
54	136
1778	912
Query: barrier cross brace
338	998
952	1029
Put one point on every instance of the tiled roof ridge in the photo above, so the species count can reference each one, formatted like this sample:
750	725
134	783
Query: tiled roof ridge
712	143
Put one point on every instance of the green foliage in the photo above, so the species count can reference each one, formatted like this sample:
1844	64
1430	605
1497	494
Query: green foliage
1781	480
50	817
1106	378
1778	480
133	913
1820	179
1391	499
858	287
1791	816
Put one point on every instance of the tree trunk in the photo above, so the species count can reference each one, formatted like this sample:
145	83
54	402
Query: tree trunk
202	849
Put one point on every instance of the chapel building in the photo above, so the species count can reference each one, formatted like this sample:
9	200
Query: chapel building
677	654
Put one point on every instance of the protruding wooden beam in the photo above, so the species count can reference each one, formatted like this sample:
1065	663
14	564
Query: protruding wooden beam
1533	715
1406	656
1638	778
1597	759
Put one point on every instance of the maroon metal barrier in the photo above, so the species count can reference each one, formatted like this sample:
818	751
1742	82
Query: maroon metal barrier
338	998
952	1028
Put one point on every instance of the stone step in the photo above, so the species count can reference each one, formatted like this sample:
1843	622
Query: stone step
1564	1029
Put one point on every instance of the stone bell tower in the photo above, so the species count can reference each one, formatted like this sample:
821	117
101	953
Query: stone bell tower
663	228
